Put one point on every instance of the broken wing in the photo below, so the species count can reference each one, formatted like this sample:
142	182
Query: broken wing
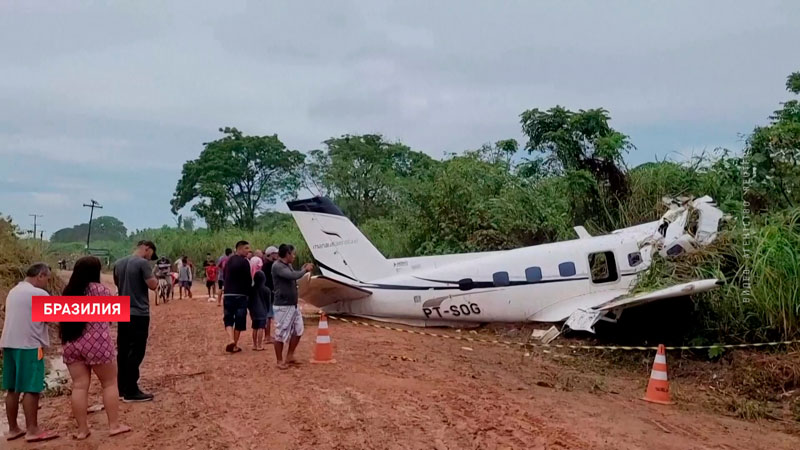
585	318
679	290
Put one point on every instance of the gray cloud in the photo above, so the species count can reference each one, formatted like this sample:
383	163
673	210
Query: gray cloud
98	95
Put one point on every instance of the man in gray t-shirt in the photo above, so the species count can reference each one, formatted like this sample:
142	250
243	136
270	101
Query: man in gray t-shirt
130	275
23	341
288	320
134	278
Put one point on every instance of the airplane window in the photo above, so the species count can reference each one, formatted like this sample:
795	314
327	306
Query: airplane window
634	259
566	269
501	279
533	274
466	284
675	250
603	267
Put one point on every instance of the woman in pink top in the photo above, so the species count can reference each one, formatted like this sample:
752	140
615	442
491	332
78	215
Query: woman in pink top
87	347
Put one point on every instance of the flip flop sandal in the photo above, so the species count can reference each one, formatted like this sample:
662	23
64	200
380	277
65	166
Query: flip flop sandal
236	350
229	348
125	429
77	437
43	436
16	436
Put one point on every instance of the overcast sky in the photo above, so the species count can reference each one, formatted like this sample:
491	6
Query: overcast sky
106	100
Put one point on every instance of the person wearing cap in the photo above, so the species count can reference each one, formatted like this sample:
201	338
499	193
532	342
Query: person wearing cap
134	278
270	256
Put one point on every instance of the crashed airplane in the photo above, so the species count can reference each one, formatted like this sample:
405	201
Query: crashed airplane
579	282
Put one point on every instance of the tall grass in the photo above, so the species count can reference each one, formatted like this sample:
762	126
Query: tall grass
761	296
175	243
776	273
16	255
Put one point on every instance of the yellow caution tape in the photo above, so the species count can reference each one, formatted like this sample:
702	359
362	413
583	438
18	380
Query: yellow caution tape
568	346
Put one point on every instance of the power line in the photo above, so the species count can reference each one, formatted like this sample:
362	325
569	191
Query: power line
35	216
91	205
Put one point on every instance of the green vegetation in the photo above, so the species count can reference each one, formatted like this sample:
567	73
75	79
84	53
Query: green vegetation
235	176
15	256
104	228
570	172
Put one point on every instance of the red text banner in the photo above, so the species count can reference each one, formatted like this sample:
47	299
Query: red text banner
81	309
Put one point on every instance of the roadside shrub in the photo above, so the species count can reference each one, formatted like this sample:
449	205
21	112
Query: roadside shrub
760	266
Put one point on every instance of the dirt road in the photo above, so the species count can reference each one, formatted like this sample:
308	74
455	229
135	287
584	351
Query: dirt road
388	390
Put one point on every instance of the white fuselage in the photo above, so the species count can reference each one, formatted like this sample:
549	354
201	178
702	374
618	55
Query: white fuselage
578	279
541	283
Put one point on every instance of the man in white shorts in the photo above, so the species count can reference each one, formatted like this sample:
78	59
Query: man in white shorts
288	320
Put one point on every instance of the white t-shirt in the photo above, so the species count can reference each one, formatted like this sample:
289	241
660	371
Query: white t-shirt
19	330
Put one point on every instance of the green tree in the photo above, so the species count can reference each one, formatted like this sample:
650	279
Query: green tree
500	153
104	228
580	140
470	204
188	223
773	155
793	83
364	174
583	146
272	220
236	176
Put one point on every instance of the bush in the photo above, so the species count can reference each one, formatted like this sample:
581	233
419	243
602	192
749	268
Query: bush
16	255
761	297
174	243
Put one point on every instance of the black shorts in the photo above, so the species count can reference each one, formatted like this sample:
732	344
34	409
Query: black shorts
234	310
209	283
258	324
220	284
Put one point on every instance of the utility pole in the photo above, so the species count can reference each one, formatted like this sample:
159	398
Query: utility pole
91	205
34	223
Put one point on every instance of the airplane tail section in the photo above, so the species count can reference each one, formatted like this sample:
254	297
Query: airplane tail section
342	252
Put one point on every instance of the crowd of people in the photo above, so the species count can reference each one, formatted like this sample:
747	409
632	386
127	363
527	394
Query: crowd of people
263	284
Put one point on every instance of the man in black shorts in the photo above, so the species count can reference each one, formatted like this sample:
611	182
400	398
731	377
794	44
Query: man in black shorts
236	292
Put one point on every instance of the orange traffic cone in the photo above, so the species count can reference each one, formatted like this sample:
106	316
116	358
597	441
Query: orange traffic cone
323	351
658	387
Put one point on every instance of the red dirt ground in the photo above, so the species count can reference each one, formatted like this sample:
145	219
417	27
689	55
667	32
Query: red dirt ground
388	390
